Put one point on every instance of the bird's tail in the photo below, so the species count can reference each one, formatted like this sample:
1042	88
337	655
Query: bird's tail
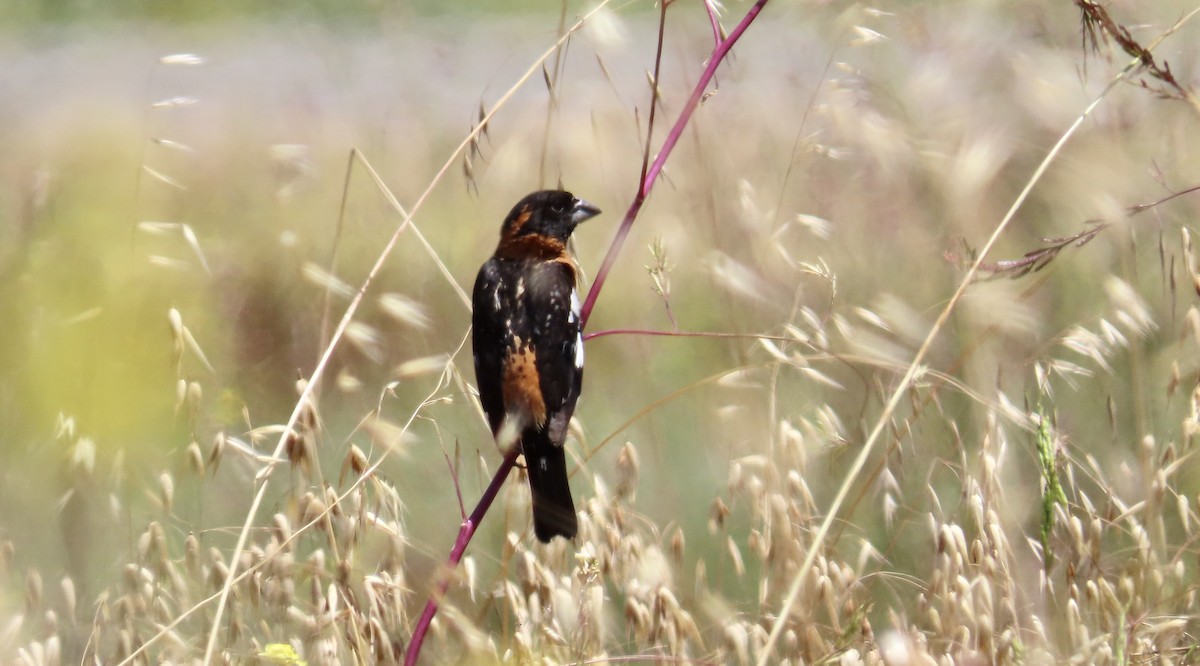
553	509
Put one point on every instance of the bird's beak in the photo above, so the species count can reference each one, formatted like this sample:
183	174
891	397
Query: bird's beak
583	211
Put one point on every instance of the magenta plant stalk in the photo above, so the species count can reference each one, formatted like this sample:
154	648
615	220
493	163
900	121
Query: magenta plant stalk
718	54
471	524
460	546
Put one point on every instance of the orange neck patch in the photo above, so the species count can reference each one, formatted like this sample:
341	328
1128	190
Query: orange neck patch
530	246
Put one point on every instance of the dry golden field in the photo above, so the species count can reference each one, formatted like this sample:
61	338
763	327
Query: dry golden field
873	458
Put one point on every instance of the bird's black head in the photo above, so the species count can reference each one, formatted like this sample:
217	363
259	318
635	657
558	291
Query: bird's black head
550	214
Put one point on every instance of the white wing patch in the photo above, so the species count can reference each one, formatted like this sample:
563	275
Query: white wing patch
574	319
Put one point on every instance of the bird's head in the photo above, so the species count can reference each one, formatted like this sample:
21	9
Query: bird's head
550	215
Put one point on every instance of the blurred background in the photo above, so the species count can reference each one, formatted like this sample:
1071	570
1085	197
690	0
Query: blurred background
172	261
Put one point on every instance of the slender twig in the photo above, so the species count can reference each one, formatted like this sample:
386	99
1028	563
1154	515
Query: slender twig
647	183
808	108
469	526
332	267
462	507
1038	258
685	334
551	88
916	366
658	49
1138	208
460	546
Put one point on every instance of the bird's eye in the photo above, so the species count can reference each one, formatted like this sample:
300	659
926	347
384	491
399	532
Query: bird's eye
558	209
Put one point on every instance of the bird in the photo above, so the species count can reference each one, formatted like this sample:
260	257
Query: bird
527	343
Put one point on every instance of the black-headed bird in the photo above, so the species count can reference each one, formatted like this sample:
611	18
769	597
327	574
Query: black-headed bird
528	346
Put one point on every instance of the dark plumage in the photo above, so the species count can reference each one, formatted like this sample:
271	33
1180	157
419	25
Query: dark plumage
528	346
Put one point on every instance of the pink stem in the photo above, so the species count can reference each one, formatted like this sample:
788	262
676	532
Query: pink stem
467	530
647	184
673	334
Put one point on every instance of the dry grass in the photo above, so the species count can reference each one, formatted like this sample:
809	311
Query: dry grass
1029	496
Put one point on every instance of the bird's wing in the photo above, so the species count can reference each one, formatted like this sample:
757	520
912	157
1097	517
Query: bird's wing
490	340
552	308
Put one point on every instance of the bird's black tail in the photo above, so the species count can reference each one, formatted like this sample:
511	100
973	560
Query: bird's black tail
553	510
